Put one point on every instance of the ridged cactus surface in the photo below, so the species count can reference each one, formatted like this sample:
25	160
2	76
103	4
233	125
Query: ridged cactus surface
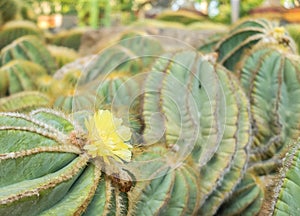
62	55
245	35
286	193
29	48
270	77
19	75
15	29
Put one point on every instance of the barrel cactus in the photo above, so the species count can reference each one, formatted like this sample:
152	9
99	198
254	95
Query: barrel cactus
70	38
29	48
19	75
15	29
246	34
62	55
8	10
270	77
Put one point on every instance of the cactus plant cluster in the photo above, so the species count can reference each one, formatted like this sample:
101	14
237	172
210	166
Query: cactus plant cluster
189	132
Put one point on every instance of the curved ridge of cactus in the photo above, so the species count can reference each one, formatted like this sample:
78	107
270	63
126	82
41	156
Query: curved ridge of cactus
29	48
19	75
169	191
15	29
24	101
229	163
245	35
286	192
207	46
246	199
270	77
62	55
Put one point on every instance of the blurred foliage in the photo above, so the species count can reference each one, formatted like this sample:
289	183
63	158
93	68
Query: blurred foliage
126	11
224	9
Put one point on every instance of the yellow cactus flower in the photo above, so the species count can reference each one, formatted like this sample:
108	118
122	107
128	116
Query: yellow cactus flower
278	32
107	137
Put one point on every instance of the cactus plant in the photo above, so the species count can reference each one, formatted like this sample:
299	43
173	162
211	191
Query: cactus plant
269	75
207	46
8	10
247	33
69	172
195	165
220	116
62	55
72	175
29	48
70	38
19	75
24	102
15	29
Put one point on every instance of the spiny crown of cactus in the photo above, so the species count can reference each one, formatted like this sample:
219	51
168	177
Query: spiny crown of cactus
247	33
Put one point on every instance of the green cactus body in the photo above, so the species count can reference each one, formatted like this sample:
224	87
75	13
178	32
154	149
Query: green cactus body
15	29
247	198
226	168
270	77
286	194
223	125
62	55
245	35
24	102
165	191
19	75
29	48
207	45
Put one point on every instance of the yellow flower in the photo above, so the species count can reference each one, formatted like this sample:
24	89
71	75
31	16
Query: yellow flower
107	137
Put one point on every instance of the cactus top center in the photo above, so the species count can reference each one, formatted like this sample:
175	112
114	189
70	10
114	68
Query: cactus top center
107	137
